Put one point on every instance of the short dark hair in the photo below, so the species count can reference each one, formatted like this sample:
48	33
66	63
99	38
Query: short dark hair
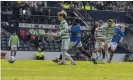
100	21
115	20
110	20
76	21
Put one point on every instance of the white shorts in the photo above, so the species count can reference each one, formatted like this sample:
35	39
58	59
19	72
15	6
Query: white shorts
112	45
99	45
13	47
65	44
77	44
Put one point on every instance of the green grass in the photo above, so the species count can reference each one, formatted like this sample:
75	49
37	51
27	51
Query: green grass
47	70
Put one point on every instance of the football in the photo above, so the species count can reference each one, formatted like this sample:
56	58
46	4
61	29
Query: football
11	59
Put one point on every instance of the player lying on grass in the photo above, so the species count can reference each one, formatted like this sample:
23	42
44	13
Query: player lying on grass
75	41
100	36
64	34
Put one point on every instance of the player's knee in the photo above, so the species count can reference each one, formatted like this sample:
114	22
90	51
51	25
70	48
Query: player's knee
64	51
109	49
66	54
113	49
81	49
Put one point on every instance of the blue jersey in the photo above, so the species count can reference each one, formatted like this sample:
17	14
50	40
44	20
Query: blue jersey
117	35
75	33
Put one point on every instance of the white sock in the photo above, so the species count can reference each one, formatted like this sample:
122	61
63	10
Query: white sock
68	57
107	55
100	57
94	55
98	54
63	57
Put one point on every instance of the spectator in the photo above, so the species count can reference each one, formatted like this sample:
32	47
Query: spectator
71	5
41	34
32	35
87	7
32	31
50	37
45	4
39	54
79	5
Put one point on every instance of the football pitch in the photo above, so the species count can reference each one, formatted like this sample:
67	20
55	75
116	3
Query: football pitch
47	70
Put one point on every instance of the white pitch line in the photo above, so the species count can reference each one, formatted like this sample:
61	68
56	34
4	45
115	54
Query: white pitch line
35	77
19	69
43	77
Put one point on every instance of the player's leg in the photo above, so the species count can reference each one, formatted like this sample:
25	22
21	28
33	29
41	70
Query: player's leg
113	48
106	47
103	54
95	53
82	50
101	57
99	48
71	45
15	50
11	53
68	57
60	58
65	45
62	61
12	50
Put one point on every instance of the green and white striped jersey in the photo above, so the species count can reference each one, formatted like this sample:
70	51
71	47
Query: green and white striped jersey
64	33
109	31
100	33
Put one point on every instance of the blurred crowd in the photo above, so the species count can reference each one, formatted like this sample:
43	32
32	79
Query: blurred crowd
113	5
36	7
38	11
33	36
99	5
75	4
25	7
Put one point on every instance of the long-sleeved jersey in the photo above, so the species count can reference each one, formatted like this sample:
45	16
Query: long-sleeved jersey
64	33
117	34
75	33
14	40
109	32
100	33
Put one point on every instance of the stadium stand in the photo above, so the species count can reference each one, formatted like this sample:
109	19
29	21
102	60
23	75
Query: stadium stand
45	12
